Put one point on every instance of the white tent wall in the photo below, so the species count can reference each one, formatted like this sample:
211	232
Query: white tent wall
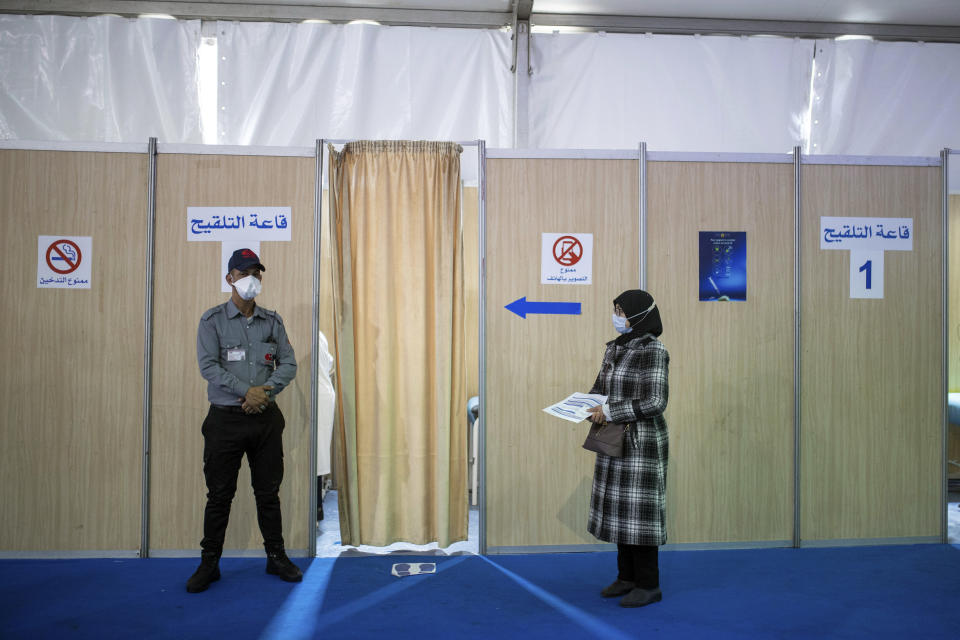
885	98
103	79
676	93
113	79
291	83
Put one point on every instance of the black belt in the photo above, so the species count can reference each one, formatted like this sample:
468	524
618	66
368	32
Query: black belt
233	408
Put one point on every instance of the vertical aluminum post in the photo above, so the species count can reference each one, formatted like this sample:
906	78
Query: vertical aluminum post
642	240
315	357
482	431
945	322
148	348
797	157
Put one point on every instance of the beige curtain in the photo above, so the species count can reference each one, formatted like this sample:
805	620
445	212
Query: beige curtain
397	251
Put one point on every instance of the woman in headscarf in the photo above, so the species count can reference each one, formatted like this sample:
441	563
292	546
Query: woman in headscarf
629	493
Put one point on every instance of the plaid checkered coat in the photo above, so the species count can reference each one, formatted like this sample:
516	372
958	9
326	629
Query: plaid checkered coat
629	493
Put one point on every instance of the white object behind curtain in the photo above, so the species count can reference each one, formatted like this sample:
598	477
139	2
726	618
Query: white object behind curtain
326	407
676	93
104	79
289	84
885	98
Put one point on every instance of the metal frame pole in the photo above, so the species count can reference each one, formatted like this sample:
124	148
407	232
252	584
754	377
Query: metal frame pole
945	328
148	348
315	356
642	240
482	431
797	203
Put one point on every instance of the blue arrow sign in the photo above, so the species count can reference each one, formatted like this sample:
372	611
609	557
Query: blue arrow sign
521	307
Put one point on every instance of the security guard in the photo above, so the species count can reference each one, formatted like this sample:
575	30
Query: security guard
246	358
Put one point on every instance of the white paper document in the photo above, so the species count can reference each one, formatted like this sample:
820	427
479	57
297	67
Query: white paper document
575	406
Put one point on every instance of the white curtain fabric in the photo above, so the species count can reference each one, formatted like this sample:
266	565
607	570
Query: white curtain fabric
104	79
290	84
676	93
326	406
885	98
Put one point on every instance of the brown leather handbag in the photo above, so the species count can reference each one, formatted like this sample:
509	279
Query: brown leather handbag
606	439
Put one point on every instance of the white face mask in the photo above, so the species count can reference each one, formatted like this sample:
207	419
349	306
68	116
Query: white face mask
620	324
248	287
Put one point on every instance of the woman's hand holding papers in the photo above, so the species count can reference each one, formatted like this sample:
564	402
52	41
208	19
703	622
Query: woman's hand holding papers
596	415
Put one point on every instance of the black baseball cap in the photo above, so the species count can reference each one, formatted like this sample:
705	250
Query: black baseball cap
243	259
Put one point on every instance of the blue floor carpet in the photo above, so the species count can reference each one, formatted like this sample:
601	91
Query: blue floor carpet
861	592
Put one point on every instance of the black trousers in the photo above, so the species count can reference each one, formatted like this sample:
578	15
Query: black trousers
227	436
638	564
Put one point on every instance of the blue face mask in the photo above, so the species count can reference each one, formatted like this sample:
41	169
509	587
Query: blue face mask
620	324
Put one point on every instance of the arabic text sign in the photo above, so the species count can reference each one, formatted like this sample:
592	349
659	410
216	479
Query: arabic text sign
237	224
566	258
63	262
867	234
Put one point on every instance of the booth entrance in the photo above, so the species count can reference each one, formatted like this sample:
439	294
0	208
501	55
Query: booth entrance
343	231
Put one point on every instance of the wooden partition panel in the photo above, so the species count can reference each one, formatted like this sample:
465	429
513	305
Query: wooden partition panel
70	443
730	413
187	283
871	380
538	475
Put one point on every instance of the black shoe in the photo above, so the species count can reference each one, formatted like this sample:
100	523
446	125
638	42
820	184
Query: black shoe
207	572
641	597
279	564
617	588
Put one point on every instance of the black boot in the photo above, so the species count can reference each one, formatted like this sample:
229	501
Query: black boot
207	572
617	588
641	597
279	564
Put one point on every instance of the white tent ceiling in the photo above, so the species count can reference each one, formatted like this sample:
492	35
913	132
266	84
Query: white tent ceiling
929	12
940	13
922	12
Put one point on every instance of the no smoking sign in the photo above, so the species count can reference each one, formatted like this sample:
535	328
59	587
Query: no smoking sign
566	258
63	262
64	256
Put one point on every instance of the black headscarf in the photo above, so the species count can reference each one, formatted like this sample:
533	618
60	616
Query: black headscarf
636	305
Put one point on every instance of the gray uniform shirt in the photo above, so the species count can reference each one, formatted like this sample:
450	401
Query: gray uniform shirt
236	353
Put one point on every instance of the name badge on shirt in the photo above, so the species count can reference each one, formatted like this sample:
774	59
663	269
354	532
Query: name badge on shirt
236	355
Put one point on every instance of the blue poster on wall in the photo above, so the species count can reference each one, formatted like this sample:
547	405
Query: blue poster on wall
723	265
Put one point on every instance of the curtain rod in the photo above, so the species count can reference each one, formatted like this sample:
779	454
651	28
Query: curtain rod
468	143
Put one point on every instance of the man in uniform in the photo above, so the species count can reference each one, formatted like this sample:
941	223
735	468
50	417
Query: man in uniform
246	358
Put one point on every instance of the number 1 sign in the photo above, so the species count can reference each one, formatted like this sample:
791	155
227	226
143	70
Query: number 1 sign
866	239
866	274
